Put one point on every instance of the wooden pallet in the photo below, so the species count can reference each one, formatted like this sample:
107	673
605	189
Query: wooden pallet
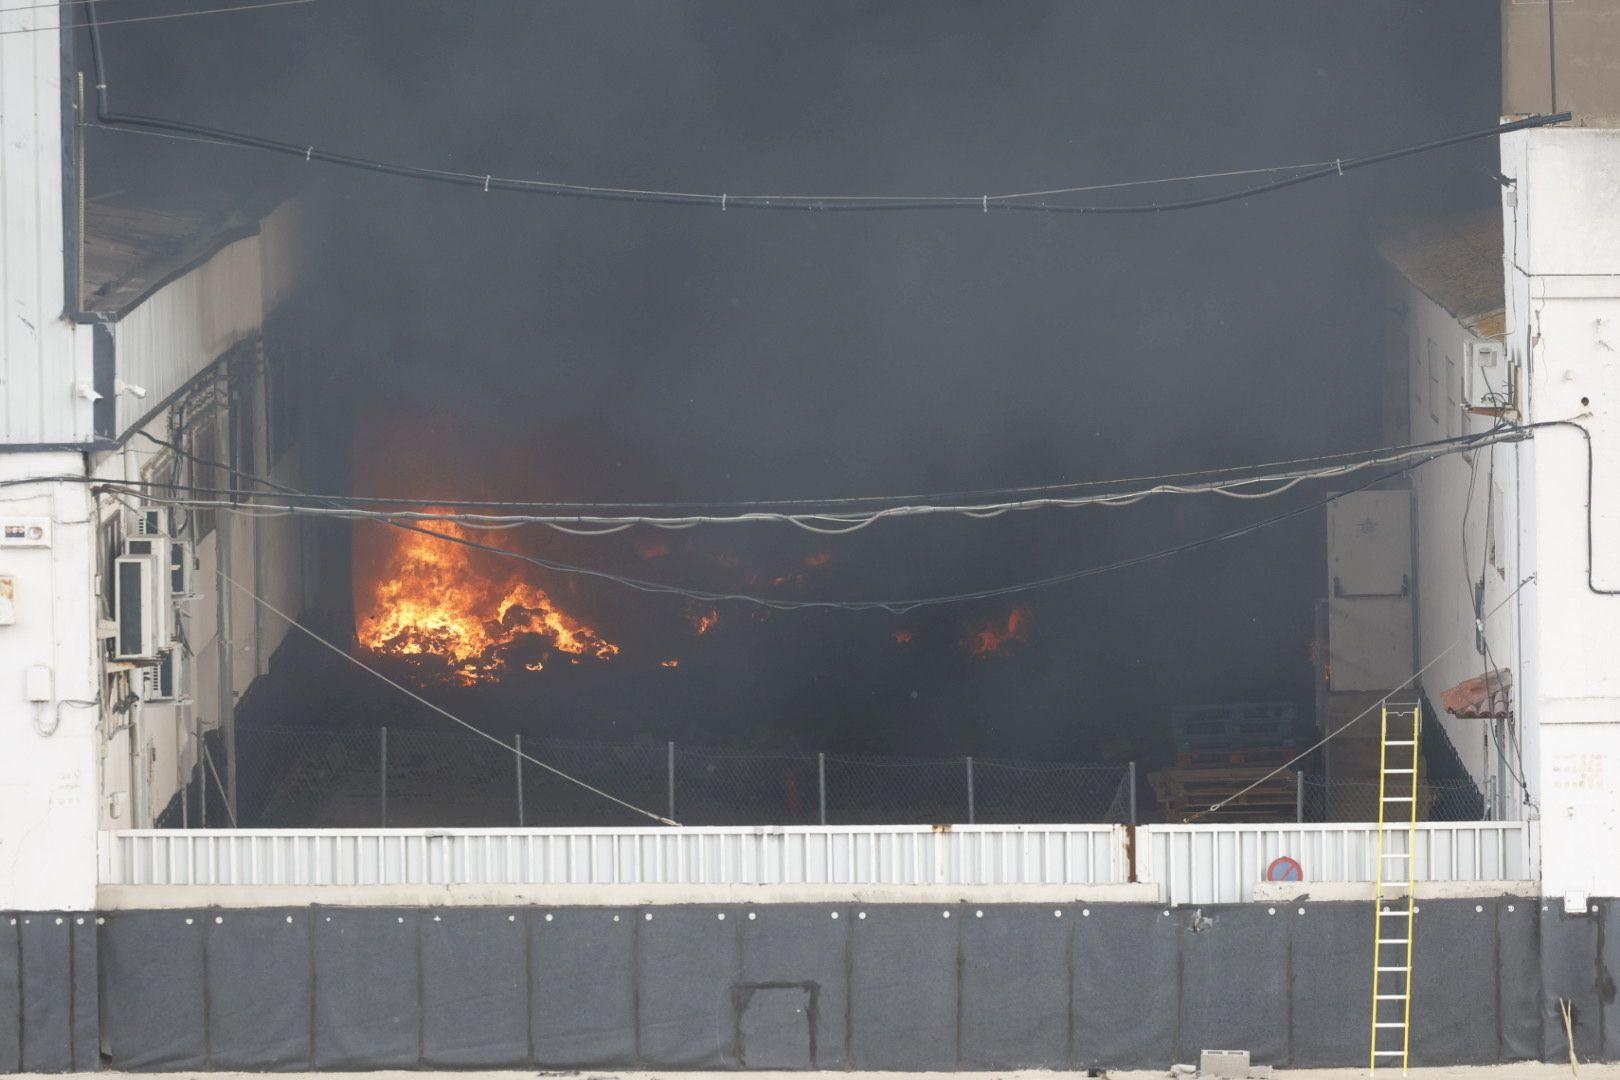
1183	792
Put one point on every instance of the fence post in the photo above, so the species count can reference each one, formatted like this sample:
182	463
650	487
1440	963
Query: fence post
1299	796
1133	792
970	788
821	784
517	746
671	812
382	758
202	775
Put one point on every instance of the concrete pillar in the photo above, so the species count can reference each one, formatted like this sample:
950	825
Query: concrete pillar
1562	255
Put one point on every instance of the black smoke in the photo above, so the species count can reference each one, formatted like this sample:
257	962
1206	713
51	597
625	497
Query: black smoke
564	349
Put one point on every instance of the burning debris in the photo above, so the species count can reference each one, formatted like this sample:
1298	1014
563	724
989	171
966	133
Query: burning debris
437	603
702	621
999	635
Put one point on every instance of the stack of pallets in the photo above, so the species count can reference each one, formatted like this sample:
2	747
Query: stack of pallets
1220	751
1184	792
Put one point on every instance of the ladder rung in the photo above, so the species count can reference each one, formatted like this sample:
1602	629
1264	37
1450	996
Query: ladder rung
1389	1053
1393	742
1391	997
1394	941
1398	968
1390	1023
1403	772
1397	798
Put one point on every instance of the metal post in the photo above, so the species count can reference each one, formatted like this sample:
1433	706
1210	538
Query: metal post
821	783
383	763
1133	792
517	745
202	776
970	788
1299	796
671	812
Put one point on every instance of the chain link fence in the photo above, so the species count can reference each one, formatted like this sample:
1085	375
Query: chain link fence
408	777
1357	800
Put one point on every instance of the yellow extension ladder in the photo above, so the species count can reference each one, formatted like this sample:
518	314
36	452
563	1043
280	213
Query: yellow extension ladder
1393	924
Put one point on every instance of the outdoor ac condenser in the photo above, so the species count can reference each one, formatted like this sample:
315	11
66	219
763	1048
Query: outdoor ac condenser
138	614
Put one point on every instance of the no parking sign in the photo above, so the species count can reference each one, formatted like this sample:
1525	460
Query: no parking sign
1284	868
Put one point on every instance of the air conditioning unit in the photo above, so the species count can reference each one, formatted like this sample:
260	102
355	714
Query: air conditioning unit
140	610
147	523
163	680
179	569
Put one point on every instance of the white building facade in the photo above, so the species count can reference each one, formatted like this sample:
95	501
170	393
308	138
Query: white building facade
95	737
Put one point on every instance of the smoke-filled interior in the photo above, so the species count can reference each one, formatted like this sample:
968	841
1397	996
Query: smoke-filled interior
458	346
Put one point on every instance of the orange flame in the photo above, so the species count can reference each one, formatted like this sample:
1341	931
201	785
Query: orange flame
820	558
703	621
669	663
434	599
996	635
902	637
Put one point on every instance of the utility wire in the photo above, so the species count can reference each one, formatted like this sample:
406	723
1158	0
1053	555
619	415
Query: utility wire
840	524
896	606
1235	475
1030	201
1362	715
408	692
90	11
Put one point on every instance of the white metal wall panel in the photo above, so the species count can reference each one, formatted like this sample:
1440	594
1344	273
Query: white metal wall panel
886	855
187	325
42	355
1369	590
1220	864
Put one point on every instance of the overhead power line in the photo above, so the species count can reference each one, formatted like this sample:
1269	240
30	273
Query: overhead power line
1037	201
837	523
893	606
838	505
90	11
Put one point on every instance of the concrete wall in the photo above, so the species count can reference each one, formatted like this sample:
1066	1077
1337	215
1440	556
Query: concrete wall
1563	293
1582	37
833	985
1466	522
49	750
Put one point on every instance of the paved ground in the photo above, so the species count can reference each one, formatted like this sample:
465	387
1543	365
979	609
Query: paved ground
1491	1072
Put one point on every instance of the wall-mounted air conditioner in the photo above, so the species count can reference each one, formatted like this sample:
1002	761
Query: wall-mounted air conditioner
179	569
138	611
163	680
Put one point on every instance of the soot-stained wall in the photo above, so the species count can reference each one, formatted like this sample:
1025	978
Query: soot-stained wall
795	986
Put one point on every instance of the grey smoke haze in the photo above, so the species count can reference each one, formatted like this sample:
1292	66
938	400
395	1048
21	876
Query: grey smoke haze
594	350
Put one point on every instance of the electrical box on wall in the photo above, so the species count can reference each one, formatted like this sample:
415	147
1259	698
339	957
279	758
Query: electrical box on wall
1486	372
27	532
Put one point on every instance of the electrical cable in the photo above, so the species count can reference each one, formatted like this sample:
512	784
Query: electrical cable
1028	201
413	695
899	606
826	524
1362	715
90	10
834	522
